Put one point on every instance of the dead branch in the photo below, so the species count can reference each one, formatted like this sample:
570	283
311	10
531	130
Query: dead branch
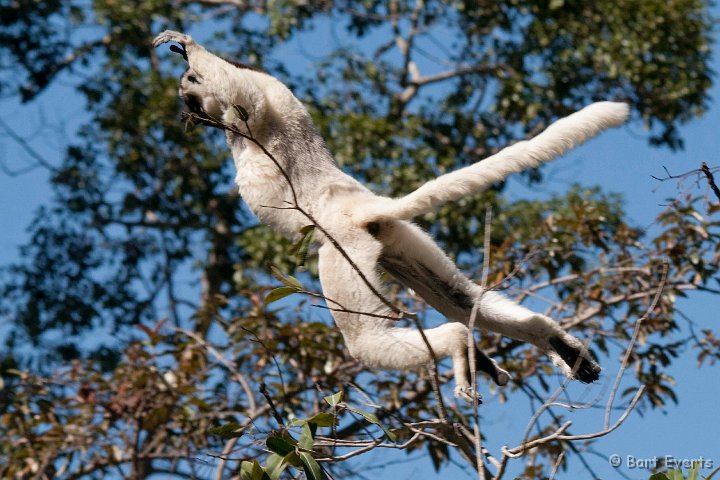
559	433
704	170
711	179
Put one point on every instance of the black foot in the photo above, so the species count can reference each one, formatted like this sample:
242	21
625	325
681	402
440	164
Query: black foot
586	370
483	363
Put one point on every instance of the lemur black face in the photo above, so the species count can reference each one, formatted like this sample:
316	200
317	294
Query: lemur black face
194	104
192	100
191	92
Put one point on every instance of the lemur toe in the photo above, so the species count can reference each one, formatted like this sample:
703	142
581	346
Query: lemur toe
467	394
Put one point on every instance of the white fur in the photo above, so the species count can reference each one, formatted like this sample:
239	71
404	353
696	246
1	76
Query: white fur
555	141
373	230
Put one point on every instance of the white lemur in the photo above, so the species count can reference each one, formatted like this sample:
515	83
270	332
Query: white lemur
374	231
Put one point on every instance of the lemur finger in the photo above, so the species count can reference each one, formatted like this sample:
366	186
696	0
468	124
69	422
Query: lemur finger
467	394
172	36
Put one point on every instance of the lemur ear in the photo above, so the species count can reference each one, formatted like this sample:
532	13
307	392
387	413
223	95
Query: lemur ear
180	50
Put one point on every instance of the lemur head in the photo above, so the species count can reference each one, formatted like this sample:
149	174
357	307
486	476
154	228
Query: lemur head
219	92
196	98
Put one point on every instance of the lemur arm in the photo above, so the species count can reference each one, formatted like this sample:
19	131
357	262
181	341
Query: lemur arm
555	141
206	65
225	82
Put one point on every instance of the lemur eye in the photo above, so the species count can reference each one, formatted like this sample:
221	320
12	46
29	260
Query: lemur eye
192	79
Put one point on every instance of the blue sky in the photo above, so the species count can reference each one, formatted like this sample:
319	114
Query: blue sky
619	161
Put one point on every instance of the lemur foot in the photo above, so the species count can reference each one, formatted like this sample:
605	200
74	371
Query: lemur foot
581	366
502	377
467	394
172	36
488	365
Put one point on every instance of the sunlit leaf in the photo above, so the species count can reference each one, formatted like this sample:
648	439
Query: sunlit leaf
279	293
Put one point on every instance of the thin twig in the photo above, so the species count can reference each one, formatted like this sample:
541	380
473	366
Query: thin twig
559	433
228	364
268	398
432	370
557	464
633	340
229	445
23	143
272	355
477	439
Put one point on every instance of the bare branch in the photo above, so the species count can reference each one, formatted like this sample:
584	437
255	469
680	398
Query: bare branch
633	340
25	145
268	398
711	180
605	431
228	364
433	371
704	170
477	439
557	464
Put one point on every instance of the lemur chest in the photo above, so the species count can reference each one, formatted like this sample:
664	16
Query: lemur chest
267	193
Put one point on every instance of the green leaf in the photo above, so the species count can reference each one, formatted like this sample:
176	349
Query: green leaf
322	419
335	399
280	444
674	475
372	418
277	293
300	249
693	472
311	467
201	404
246	470
276	464
658	476
287	280
306	437
241	112
252	471
189	124
229	430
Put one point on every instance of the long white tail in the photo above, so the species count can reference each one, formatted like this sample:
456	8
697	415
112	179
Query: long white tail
557	139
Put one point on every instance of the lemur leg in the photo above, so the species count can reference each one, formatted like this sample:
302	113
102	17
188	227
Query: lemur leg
377	342
413	258
568	353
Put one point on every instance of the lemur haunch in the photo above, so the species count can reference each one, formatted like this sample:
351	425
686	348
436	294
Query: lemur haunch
374	231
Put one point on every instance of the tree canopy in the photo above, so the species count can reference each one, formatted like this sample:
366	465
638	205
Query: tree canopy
141	340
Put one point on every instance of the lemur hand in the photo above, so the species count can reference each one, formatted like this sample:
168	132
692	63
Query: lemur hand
172	36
